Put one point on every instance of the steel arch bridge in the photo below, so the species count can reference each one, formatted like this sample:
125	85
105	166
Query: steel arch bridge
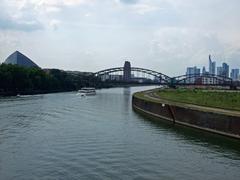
202	79
164	79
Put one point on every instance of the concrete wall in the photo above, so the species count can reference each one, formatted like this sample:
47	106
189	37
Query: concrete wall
209	121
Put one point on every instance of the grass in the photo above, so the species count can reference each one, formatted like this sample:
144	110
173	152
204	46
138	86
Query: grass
217	99
141	96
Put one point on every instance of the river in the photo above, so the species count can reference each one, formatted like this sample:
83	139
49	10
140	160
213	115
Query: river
65	136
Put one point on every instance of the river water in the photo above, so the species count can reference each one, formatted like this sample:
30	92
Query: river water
64	136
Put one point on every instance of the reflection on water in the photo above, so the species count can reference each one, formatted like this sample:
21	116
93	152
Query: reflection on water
229	146
64	136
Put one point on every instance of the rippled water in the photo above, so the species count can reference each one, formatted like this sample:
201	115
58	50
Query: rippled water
64	136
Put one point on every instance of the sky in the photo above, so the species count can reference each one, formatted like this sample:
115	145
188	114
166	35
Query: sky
92	35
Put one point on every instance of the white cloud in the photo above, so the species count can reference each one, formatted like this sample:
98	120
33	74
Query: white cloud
159	33
54	23
144	8
60	2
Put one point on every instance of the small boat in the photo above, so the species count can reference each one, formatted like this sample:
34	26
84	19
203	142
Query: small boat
87	91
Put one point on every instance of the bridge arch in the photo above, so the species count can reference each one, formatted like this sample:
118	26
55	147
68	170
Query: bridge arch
164	79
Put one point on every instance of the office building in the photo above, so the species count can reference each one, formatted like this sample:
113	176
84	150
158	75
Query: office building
235	74
220	71
212	66
192	73
225	69
204	70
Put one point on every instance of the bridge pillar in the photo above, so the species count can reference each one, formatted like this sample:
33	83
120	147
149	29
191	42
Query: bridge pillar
127	71
172	83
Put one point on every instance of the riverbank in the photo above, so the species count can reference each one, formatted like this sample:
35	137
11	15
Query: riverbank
34	92
26	81
212	119
211	98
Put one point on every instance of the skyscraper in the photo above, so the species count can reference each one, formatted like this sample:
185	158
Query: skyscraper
204	70
212	66
225	69
127	71
235	74
192	72
220	71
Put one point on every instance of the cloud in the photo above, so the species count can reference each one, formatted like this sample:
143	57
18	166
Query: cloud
144	8
54	23
32	15
139	6
9	24
187	47
129	1
12	17
157	33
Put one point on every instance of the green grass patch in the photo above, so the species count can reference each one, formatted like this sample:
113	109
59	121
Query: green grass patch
218	99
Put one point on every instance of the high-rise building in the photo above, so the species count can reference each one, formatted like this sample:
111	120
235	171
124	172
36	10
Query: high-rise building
225	69
220	71
192	73
212	66
235	74
127	71
204	70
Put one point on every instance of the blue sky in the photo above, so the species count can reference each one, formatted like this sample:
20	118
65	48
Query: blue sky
90	35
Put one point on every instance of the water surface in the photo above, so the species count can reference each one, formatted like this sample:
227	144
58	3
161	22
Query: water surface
65	136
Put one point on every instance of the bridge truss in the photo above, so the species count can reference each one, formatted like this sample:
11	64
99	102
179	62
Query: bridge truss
183	80
162	78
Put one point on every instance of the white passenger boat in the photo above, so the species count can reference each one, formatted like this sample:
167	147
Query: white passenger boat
87	91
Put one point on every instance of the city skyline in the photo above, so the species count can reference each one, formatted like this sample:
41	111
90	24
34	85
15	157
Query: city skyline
214	67
92	35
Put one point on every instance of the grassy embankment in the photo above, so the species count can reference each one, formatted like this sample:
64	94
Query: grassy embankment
217	99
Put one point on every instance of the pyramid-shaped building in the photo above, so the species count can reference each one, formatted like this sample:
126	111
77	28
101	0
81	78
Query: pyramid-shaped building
18	58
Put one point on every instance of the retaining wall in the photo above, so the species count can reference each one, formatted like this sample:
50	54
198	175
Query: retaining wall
223	124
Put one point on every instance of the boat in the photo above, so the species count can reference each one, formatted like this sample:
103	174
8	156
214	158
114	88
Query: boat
87	91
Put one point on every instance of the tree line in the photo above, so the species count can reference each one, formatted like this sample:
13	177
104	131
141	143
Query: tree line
16	79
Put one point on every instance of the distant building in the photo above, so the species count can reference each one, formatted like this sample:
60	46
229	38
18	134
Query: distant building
157	79
115	77
235	74
223	70
105	77
204	70
18	58
212	66
220	71
208	80
192	73
127	71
